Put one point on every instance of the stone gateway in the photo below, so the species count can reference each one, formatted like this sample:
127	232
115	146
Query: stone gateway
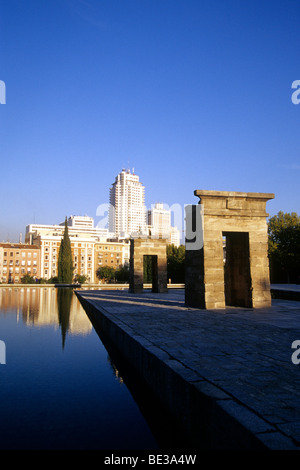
232	266
157	249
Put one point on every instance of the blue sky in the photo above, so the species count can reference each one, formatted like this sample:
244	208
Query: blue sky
192	94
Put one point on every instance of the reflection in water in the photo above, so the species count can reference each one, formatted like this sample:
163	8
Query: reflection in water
168	431
115	370
39	306
64	300
54	397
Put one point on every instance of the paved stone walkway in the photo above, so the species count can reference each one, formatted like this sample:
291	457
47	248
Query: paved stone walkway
244	354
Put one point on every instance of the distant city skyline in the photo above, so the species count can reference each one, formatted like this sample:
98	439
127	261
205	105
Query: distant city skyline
191	94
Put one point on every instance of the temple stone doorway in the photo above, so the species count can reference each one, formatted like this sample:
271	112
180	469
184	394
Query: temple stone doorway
237	277
231	266
141	248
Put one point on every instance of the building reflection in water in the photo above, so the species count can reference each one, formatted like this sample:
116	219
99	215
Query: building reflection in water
47	306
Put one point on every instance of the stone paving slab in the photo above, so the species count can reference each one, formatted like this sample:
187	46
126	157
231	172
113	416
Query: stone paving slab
241	357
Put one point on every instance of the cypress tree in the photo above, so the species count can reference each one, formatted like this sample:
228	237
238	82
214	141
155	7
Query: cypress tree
65	262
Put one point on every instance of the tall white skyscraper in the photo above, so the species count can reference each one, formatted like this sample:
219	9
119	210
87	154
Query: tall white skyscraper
127	212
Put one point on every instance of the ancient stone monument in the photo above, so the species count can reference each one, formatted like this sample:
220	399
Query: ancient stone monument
231	268
157	249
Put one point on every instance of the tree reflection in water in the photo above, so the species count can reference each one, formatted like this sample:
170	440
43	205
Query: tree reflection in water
64	301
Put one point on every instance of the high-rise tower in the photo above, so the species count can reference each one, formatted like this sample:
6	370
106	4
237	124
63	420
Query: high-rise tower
127	213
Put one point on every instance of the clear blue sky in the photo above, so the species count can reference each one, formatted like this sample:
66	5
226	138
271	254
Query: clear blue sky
193	94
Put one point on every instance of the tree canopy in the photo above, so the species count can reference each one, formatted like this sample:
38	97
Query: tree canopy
106	273
176	263
284	247
65	261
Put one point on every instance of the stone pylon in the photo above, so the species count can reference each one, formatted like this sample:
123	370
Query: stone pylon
231	268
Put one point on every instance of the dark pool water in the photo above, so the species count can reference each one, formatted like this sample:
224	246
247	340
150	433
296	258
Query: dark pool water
59	388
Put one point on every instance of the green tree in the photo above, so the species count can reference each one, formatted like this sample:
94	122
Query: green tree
80	278
176	263
64	301
65	262
284	247
147	267
27	279
106	273
122	274
53	280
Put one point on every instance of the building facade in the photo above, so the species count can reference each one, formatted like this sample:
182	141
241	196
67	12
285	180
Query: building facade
113	254
89	246
127	213
159	224
17	260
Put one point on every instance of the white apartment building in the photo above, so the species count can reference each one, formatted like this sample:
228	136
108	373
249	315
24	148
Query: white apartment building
159	224
84	238
159	221
127	213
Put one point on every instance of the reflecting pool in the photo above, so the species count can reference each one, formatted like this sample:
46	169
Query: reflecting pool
59	388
